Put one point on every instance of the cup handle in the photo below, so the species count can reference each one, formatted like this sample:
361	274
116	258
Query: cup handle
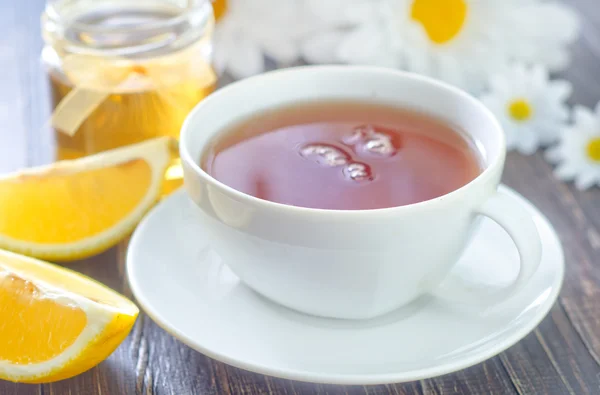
510	214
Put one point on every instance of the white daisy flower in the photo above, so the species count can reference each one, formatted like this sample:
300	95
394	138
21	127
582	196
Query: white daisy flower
459	41
247	31
578	152
531	108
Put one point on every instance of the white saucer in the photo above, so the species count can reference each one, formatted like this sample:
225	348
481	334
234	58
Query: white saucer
186	289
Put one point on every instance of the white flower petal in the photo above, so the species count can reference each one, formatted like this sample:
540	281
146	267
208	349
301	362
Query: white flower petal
246	60
558	59
224	44
281	50
528	142
562	113
494	103
538	78
554	154
366	11
514	134
561	22
501	83
584	118
597	110
321	47
367	45
587	179
521	73
548	134
332	12
451	71
566	172
546	28
418	61
561	89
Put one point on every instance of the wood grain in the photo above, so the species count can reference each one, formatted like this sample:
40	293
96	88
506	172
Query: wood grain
562	356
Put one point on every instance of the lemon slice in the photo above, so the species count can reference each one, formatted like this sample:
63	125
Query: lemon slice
74	209
55	323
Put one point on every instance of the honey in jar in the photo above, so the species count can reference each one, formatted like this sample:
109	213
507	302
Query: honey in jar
125	71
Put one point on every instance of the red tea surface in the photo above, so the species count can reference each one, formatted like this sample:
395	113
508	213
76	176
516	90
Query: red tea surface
343	156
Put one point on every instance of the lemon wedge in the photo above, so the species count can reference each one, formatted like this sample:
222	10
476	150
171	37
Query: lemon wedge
74	209
56	323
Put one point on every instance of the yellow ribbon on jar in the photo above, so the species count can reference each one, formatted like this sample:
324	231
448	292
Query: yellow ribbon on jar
95	78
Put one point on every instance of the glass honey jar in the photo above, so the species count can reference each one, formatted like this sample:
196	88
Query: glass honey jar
123	71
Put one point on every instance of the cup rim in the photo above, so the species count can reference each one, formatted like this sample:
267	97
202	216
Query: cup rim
486	174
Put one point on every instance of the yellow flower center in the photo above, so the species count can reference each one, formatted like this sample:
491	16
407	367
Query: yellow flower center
593	149
442	19
219	8
520	110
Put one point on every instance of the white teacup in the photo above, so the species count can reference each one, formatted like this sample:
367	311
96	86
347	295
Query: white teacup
351	264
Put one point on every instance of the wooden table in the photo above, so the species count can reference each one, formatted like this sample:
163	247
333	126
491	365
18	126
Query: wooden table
562	356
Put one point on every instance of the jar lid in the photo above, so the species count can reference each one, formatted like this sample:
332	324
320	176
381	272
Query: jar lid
125	28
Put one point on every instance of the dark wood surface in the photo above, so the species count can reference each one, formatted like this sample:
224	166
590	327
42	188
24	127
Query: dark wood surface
562	356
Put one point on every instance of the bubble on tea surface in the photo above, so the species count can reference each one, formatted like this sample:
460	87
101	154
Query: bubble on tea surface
380	146
324	154
372	139
357	171
359	134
